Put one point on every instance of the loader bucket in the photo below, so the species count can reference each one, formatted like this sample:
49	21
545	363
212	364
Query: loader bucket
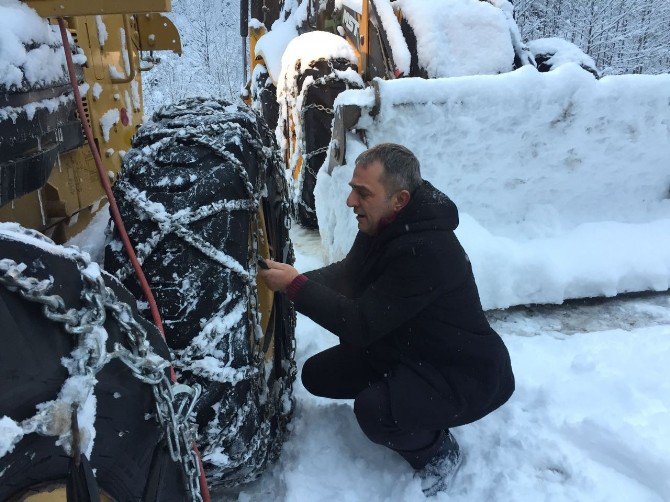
562	180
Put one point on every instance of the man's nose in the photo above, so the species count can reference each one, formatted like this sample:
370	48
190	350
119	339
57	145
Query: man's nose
350	200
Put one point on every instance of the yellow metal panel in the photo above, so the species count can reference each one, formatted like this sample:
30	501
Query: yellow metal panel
55	493
62	8
158	33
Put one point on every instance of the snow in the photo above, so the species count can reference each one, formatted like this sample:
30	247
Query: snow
114	72
30	109
401	55
124	51
97	90
129	107
355	5
459	37
102	30
88	239
272	45
561	52
310	47
587	421
109	119
255	24
561	180
10	434
135	91
30	48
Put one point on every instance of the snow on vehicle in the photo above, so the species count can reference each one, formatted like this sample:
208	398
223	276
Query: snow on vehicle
562	177
204	196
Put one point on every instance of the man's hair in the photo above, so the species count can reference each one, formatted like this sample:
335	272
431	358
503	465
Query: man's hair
401	167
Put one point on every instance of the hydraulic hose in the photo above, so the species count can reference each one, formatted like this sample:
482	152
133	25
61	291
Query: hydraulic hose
118	221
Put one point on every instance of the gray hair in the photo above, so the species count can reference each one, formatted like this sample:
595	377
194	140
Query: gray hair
401	167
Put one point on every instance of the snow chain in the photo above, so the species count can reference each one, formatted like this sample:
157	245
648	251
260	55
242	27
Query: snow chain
174	404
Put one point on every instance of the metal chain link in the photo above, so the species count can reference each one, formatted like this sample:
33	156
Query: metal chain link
319	107
174	403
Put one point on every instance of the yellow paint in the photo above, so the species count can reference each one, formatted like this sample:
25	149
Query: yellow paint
53	493
63	8
254	35
158	33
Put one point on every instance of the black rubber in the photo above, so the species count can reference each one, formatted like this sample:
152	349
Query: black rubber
31	373
32	142
192	157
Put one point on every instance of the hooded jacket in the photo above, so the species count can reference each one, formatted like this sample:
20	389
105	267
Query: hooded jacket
407	297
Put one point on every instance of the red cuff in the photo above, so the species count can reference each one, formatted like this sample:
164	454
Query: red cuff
294	288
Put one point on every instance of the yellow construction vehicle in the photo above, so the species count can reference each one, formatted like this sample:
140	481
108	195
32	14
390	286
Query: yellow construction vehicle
90	403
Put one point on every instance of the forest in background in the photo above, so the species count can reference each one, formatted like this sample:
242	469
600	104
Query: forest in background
622	36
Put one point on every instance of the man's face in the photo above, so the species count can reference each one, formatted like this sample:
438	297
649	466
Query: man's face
369	197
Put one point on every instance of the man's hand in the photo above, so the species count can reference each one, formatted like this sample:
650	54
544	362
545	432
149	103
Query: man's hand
278	276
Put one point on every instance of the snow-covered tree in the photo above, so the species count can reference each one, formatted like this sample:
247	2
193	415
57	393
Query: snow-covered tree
622	36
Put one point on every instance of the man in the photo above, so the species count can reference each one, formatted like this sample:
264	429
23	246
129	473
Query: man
416	351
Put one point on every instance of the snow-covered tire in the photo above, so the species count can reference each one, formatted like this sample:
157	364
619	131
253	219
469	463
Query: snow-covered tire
201	191
322	88
38	121
127	443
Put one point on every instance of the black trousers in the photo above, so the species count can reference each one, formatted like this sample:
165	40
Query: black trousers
343	372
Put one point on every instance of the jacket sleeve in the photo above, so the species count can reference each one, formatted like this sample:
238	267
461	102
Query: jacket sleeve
406	287
333	276
338	276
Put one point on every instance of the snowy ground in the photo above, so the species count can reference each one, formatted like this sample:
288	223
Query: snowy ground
590	419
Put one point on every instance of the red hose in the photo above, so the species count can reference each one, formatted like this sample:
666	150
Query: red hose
118	221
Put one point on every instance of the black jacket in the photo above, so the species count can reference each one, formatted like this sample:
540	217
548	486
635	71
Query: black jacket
408	297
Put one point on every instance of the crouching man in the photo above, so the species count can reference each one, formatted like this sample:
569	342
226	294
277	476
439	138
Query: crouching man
416	352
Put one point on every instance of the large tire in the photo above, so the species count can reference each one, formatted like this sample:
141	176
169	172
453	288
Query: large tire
324	87
127	446
33	131
200	192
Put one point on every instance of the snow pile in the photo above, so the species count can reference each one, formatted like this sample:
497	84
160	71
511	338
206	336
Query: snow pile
562	180
560	52
459	37
31	52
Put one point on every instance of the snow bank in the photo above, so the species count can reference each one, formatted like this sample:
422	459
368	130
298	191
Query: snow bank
30	48
562	180
459	37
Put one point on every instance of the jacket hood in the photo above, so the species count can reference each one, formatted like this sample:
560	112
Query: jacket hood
428	209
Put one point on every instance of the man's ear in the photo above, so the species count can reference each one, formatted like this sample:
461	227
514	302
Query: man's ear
401	200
